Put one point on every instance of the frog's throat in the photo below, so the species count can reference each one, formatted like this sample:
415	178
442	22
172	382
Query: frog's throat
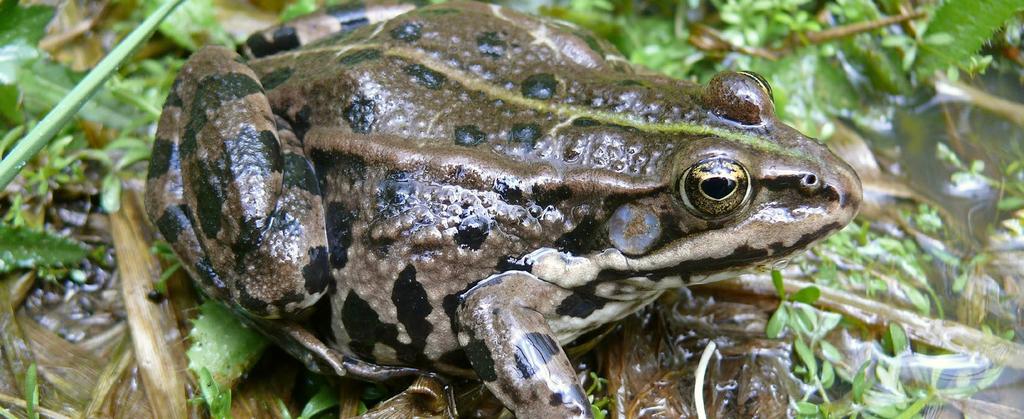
475	83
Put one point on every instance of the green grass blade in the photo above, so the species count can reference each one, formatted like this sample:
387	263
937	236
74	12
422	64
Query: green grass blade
67	107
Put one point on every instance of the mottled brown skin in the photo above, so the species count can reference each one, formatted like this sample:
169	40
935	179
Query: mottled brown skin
468	188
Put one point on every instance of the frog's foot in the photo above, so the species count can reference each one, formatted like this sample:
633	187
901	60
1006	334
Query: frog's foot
512	349
320	358
337	19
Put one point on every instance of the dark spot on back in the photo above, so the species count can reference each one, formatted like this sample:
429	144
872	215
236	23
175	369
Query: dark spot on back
213	92
350	16
550	195
338	220
425	76
586	236
360	114
524	134
207	274
173	99
298	173
363	325
315	275
490	44
472	231
576	305
162	158
173	221
585	122
251	303
456	358
300	124
412	306
591	42
285	38
439	12
209	198
345	166
469	135
276	77
533	351
396	193
407	31
509	190
539	86
359	56
511	263
480	358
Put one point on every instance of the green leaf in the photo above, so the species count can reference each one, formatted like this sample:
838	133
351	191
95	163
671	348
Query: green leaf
23	23
110	193
829	352
806	356
777	282
806	409
970	23
9	105
324	399
31	392
222	345
807	295
896	339
13	58
860	384
21	248
776	323
218	399
828	374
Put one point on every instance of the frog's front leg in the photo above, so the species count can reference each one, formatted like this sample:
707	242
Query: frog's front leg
507	339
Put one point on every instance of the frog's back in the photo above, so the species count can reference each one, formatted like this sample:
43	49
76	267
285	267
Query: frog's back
486	78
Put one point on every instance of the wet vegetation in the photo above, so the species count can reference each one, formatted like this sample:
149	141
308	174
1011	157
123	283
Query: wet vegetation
915	309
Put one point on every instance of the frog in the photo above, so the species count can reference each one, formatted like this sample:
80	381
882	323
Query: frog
461	190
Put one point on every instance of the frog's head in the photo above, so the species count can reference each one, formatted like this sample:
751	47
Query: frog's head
746	192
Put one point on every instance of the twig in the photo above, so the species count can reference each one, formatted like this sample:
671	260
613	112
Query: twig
158	366
843	31
15	401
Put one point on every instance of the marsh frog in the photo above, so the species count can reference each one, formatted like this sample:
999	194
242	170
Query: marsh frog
462	189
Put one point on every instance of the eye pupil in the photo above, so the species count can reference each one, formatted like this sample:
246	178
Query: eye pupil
718	188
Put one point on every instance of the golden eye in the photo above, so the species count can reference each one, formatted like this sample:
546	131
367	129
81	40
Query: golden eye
715	187
762	82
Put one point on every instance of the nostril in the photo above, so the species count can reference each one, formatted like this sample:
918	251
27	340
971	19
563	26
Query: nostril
809	181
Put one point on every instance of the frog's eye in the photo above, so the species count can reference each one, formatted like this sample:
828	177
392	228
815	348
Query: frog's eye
762	82
715	187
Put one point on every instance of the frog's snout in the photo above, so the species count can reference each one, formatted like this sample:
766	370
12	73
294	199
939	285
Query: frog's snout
842	185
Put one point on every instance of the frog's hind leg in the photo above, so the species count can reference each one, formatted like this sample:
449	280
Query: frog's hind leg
510	345
331	20
254	200
230	190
